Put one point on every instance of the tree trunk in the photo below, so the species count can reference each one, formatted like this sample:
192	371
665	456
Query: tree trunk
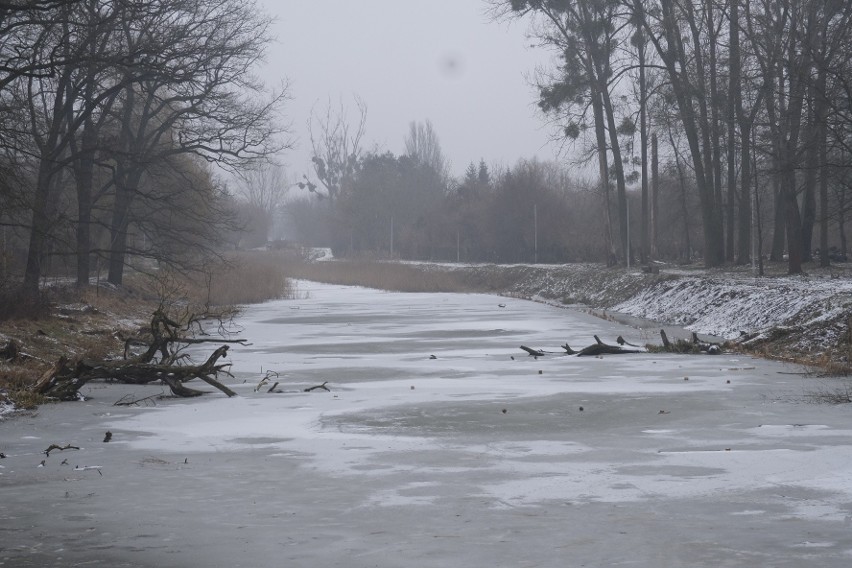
744	236
812	149
798	72
779	230
621	188
127	177
40	227
84	165
816	163
773	89
734	109
655	192
643	130
687	253
715	149
841	229
758	214
603	170
118	232
824	261
695	125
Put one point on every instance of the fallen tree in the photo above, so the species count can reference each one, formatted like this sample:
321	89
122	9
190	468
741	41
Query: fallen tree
600	348
162	360
695	345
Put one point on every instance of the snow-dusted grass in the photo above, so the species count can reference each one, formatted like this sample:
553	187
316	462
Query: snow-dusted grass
727	306
6	406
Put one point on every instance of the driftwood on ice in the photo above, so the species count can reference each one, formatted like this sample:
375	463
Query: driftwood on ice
598	348
694	345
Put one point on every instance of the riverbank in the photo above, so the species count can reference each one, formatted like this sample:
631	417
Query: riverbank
95	322
802	318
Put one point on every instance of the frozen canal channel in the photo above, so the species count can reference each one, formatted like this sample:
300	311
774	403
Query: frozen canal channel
440	444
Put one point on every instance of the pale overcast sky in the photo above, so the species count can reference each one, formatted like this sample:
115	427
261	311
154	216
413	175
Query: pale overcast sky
412	60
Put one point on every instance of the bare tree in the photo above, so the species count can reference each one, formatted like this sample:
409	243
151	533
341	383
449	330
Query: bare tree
131	84
22	31
585	34
676	32
263	190
336	144
57	105
423	145
199	97
265	186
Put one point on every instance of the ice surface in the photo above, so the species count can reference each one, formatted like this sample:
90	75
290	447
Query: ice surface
478	456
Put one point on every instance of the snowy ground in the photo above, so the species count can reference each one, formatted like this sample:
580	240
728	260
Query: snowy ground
801	316
725	307
480	456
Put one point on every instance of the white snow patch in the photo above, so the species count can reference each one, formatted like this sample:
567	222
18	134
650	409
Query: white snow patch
6	408
724	307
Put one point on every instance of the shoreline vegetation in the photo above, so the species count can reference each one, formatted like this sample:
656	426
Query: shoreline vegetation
97	321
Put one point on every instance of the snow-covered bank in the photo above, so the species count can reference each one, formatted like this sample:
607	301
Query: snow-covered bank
730	307
804	316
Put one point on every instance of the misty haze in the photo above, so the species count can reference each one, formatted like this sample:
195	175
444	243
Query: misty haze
445	283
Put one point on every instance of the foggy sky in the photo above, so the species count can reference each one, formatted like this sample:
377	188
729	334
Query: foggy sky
411	60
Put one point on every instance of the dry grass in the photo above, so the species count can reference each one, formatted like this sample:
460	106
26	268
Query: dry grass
247	278
836	394
94	322
833	363
79	323
16	381
15	304
399	277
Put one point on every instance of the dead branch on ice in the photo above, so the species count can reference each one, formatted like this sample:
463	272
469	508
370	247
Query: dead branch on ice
129	400
52	447
601	348
532	352
598	348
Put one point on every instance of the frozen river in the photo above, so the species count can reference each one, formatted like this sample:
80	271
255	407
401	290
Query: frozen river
440	444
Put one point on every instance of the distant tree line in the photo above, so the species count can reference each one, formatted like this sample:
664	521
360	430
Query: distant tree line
381	205
719	130
748	99
112	113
